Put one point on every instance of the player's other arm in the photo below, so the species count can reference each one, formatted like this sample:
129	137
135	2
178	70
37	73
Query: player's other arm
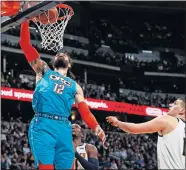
86	115
31	54
156	125
92	163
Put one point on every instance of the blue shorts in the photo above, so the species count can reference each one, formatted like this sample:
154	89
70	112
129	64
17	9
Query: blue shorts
51	142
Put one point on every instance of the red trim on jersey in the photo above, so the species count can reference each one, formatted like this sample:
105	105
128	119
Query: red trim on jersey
46	167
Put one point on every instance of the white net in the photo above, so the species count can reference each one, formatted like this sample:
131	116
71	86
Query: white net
52	33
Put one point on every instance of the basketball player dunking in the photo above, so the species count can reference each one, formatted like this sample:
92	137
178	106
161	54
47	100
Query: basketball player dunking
85	154
171	147
50	131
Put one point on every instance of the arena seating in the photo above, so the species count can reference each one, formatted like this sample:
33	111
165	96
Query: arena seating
162	65
124	151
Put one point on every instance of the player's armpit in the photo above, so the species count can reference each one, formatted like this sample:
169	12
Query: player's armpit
156	125
92	151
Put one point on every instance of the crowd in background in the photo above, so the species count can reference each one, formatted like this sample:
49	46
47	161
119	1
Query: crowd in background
123	151
120	60
136	30
102	91
15	150
148	99
152	31
123	37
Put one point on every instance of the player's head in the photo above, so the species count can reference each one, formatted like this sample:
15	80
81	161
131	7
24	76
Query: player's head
177	108
77	131
62	60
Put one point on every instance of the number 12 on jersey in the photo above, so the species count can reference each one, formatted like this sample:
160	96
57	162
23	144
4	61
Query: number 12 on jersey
58	88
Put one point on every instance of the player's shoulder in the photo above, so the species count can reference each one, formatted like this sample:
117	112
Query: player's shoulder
91	147
78	85
50	72
166	118
79	89
70	80
170	123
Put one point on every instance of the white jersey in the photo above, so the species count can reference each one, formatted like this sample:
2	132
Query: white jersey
170	148
82	151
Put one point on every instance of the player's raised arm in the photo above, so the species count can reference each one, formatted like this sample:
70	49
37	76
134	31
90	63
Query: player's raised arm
156	125
86	115
31	54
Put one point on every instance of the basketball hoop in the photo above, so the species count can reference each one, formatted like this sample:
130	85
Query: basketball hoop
52	30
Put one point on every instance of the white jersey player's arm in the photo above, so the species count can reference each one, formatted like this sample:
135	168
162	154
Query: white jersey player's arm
159	124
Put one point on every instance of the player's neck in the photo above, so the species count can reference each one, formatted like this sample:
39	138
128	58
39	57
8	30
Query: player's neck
61	71
78	141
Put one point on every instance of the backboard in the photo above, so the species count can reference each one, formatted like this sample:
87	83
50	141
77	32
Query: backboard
28	10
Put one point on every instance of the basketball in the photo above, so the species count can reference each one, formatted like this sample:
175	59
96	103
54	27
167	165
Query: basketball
48	17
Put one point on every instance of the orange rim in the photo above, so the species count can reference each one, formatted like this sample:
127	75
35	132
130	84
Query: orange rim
63	6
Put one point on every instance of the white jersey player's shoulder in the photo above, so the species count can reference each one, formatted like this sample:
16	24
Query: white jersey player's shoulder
90	146
170	123
171	148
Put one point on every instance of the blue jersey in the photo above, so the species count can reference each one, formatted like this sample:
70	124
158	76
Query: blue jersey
54	94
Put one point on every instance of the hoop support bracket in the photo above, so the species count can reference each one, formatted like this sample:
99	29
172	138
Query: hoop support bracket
27	14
